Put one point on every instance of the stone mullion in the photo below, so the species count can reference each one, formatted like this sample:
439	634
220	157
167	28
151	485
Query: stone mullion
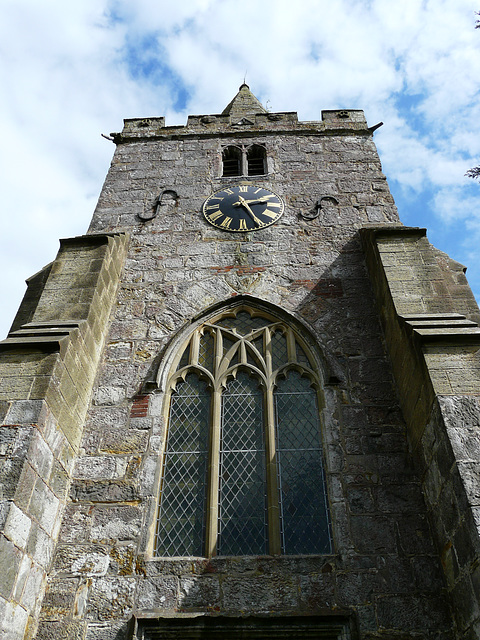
291	350
213	476
218	352
243	352
194	348
244	161
211	533
273	509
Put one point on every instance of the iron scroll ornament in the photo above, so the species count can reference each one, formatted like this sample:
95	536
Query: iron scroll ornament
241	208
318	207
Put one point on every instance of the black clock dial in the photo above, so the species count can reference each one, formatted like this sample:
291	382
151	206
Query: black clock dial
243	208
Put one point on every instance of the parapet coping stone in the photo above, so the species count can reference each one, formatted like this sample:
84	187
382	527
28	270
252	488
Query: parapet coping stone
447	328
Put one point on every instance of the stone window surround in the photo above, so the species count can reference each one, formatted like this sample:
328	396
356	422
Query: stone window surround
175	375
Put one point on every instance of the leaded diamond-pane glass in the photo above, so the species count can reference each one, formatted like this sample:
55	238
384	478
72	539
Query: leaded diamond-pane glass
252	357
279	350
182	506
227	344
242	508
206	351
301	356
303	501
305	521
258	342
184	359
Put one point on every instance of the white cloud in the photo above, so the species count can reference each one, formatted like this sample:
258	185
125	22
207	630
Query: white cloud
69	74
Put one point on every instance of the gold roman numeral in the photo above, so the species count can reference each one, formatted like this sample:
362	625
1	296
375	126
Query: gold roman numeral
213	207
243	225
243	189
226	223
215	216
229	191
270	214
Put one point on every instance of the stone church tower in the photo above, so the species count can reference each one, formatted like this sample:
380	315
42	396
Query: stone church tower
245	404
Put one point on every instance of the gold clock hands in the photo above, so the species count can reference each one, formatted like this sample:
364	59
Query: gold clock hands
257	200
262	199
243	203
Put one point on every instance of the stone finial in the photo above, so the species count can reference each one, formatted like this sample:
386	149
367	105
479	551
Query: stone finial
243	104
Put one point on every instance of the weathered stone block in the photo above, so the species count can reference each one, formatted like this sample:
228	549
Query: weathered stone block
13	620
103	491
81	560
408	613
64	630
40	456
26	412
199	593
110	598
262	594
123	441
373	534
44	506
32	589
158	593
9	572
116	523
108	631
17	526
100	467
59	598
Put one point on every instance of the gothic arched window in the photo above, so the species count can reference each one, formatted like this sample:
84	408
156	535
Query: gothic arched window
243	469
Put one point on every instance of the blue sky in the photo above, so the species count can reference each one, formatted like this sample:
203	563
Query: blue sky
72	71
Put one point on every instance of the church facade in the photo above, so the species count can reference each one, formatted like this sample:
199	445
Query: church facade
246	402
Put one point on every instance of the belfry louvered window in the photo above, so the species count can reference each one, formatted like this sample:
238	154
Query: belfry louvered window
232	161
256	160
244	160
243	470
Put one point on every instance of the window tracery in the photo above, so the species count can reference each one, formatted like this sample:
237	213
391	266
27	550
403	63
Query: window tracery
243	470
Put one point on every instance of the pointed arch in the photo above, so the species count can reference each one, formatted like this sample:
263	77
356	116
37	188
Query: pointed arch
264	476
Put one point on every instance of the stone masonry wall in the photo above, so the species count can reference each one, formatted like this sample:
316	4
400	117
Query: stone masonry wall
47	368
436	363
385	573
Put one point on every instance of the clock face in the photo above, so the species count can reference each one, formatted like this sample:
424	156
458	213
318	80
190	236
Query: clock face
243	208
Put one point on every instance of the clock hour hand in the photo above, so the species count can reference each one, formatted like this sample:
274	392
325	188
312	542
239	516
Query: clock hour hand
262	199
